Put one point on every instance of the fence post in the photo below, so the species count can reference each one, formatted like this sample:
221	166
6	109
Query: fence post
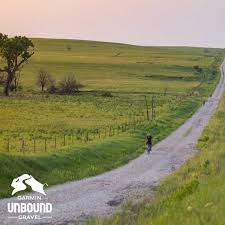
147	111
72	139
22	146
34	145
153	108
87	137
64	140
55	142
99	133
45	144
8	145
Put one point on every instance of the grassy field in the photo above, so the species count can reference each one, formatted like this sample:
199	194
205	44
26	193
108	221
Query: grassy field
192	195
92	158
129	73
43	118
118	67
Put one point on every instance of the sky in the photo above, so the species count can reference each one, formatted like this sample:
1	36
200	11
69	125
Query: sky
141	22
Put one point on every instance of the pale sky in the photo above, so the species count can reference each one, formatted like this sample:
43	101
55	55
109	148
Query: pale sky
142	22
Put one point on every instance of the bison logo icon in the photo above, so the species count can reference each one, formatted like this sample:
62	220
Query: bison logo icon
20	184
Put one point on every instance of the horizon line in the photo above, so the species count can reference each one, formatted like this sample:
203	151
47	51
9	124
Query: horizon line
122	43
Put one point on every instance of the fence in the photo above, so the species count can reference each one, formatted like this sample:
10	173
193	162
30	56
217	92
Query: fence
33	145
25	145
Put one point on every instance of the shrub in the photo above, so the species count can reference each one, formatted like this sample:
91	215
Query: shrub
198	69
68	47
69	85
107	94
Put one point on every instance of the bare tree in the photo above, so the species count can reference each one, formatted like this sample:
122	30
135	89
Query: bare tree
43	78
51	87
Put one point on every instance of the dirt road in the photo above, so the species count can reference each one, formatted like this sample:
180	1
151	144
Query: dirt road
103	194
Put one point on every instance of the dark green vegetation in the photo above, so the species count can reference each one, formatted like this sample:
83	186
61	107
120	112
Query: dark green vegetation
192	195
115	77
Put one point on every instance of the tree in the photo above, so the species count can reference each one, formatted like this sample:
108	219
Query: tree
43	78
15	52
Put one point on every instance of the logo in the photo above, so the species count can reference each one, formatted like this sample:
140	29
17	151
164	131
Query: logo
29	207
20	184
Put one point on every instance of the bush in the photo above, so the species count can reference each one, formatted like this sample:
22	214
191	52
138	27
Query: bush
69	85
198	69
107	94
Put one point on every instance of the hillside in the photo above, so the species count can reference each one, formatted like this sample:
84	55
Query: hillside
118	67
64	137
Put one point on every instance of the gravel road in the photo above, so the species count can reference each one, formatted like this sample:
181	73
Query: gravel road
103	194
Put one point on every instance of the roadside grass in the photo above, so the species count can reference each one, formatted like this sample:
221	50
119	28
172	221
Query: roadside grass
93	158
192	195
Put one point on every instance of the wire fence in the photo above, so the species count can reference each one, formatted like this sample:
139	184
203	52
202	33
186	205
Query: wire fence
26	145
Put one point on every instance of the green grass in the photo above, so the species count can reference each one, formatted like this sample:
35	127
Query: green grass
118	67
192	195
129	72
62	114
84	160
